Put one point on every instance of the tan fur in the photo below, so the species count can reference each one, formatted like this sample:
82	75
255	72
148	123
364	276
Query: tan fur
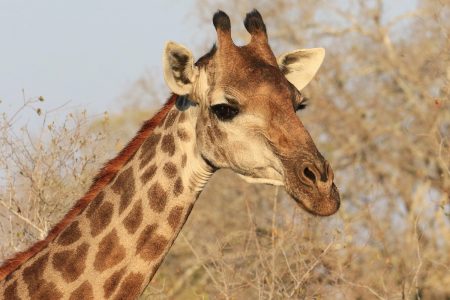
100	181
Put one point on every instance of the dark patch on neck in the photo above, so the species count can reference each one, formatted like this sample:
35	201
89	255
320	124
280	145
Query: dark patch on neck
71	263
125	187
11	291
84	291
70	235
112	282
110	252
131	286
170	119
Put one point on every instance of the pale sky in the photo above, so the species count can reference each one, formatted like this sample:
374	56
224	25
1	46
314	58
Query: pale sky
85	51
91	51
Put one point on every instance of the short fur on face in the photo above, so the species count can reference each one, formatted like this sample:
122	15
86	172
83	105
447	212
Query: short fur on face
265	141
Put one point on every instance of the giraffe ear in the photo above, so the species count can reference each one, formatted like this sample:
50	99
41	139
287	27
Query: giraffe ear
179	70
300	66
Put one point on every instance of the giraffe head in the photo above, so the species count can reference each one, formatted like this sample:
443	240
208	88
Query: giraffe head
245	111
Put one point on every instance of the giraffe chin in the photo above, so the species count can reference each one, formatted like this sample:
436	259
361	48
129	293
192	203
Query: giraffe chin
318	205
257	180
321	204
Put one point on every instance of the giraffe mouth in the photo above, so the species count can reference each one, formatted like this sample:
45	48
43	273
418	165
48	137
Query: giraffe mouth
320	205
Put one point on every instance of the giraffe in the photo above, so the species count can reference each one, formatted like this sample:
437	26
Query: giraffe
233	108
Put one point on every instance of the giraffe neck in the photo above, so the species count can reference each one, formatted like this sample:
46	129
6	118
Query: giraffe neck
113	248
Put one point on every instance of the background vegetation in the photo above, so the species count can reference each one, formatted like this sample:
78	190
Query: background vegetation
380	113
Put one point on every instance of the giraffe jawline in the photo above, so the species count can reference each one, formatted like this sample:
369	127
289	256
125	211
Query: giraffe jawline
303	206
317	211
250	179
332	201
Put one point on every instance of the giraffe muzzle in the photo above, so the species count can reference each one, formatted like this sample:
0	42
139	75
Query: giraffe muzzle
312	187
320	175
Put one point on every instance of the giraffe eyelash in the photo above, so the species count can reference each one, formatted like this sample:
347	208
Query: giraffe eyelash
303	104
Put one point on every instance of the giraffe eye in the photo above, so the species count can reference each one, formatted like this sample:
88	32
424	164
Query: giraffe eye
225	112
301	105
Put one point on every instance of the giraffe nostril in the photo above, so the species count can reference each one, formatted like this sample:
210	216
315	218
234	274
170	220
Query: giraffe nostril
330	174
309	174
324	174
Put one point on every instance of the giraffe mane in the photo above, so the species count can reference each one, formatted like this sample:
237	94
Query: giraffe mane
104	177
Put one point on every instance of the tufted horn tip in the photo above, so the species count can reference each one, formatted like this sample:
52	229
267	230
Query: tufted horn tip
254	23
221	21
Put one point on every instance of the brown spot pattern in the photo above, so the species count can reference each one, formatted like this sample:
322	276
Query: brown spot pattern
150	245
95	204
170	170
175	216
150	144
10	292
112	282
170	119
178	187
157	197
102	179
134	218
146	160
148	149
84	291
183	135
131	287
168	144
148	174
71	263
110	252
124	186
47	291
33	274
101	218
182	117
183	160
70	235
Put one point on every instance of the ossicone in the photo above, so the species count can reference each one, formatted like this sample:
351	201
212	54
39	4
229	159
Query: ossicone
254	22
255	26
221	21
222	24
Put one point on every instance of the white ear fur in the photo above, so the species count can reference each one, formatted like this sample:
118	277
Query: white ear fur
179	70
301	65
